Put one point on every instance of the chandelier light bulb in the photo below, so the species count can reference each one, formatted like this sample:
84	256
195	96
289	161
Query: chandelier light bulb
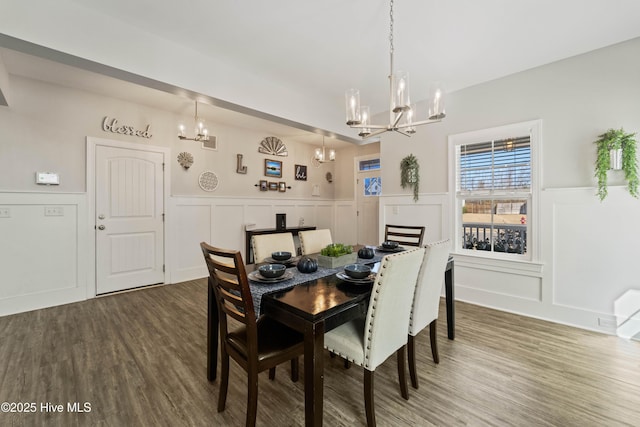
352	99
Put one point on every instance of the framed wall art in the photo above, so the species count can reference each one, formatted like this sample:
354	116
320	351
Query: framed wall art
301	172
273	186
282	187
273	168
263	185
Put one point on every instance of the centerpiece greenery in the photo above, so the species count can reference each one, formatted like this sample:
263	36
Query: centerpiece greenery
410	174
336	255
336	250
611	140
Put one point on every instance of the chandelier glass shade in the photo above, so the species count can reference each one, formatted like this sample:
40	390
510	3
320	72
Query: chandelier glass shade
321	156
402	113
201	133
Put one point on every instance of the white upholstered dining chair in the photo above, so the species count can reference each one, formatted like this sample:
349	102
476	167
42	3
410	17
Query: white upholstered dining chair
312	241
264	245
369	341
426	301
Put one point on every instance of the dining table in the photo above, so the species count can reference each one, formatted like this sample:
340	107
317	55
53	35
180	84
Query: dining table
313	304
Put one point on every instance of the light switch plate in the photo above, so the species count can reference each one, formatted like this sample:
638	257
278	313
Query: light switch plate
53	211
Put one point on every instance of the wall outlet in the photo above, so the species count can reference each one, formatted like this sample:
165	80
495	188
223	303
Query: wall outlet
607	323
5	213
53	211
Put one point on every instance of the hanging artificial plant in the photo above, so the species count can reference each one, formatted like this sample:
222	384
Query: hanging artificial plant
410	174
612	140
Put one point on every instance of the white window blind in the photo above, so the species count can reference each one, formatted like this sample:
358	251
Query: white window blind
501	165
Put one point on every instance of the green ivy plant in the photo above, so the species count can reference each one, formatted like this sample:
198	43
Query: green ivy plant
615	139
410	174
336	249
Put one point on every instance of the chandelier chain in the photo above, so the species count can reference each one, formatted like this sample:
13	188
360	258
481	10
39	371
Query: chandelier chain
391	27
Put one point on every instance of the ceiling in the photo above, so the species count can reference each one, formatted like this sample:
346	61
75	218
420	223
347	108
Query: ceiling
319	49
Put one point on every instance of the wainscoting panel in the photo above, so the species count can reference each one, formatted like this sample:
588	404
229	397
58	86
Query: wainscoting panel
592	247
228	227
430	211
43	257
346	228
191	224
222	222
324	216
494	282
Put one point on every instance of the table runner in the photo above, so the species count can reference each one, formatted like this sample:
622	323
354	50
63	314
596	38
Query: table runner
258	288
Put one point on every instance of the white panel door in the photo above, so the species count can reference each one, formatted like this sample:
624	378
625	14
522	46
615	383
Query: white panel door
367	192
129	218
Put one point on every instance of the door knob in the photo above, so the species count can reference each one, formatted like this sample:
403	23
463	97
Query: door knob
101	227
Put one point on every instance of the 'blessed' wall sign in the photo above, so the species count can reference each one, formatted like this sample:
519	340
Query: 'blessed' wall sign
112	125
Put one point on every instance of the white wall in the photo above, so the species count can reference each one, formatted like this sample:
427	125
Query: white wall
588	248
44	259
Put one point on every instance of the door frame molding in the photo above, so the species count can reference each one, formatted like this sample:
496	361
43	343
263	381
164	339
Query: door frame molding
356	187
92	143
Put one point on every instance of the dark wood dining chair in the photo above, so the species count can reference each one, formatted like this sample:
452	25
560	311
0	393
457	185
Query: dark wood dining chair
369	341
426	301
259	344
405	235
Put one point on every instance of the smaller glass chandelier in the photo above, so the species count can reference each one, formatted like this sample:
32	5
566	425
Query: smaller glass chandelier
201	132
321	155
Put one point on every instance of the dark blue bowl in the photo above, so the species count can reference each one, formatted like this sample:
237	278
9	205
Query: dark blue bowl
281	256
271	271
390	244
357	271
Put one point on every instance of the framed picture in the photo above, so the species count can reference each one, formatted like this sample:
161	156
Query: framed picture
301	173
273	168
263	185
273	186
211	144
282	187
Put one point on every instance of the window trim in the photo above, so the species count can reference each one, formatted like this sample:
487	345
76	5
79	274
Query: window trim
532	128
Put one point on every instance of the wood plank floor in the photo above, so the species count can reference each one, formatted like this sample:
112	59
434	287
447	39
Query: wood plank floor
138	359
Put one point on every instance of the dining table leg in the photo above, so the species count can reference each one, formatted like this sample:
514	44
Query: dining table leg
313	373
212	333
449	298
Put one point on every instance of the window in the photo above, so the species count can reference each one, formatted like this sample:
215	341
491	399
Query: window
495	191
369	165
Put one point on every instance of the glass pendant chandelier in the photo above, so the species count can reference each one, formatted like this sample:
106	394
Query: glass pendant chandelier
402	114
200	130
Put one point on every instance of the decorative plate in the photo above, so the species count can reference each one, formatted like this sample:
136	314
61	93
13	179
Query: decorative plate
273	146
366	281
289	262
208	181
383	249
255	276
185	159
